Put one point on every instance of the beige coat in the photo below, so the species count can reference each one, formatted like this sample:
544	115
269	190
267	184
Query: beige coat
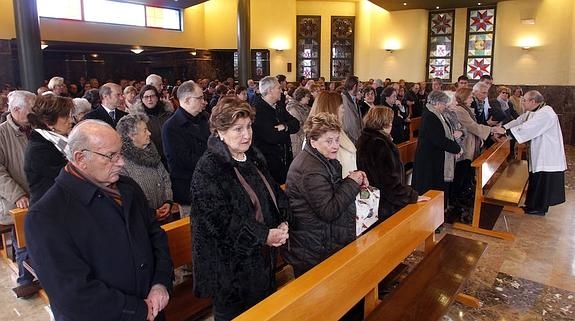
476	133
13	183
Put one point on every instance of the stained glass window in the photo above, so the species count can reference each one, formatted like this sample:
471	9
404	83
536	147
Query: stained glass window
440	44
480	41
260	63
342	37
308	46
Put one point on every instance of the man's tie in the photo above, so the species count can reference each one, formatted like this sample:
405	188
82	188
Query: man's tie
113	115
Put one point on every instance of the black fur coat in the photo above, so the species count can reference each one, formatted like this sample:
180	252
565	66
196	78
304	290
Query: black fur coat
229	249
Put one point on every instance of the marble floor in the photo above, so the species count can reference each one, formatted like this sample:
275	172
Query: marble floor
529	279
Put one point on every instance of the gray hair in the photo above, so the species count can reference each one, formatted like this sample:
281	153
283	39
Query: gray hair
80	138
300	93
154	80
54	81
128	125
81	105
535	95
437	97
378	82
480	85
20	99
267	83
186	89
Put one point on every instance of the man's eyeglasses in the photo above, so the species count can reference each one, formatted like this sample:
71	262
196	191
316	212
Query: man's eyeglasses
112	157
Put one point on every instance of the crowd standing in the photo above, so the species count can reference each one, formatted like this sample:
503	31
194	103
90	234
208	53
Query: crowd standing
268	168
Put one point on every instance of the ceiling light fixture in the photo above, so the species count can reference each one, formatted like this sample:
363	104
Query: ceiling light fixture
137	51
43	45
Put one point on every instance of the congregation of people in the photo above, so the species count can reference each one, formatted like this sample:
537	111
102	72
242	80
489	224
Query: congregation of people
267	170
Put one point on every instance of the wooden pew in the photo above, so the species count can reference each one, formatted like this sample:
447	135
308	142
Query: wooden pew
506	190
333	287
183	304
19	217
414	127
407	151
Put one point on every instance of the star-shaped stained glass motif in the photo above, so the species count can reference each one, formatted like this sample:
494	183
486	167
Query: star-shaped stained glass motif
441	23
481	20
478	67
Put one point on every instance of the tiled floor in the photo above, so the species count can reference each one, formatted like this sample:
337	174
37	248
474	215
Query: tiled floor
530	278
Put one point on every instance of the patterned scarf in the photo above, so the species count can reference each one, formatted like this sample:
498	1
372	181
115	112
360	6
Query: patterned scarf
112	190
61	142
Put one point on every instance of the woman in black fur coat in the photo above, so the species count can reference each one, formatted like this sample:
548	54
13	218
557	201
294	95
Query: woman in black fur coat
238	215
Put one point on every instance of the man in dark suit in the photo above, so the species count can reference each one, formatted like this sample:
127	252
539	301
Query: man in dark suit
111	95
97	249
272	128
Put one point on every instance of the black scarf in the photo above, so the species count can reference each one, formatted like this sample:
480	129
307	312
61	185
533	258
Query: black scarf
147	156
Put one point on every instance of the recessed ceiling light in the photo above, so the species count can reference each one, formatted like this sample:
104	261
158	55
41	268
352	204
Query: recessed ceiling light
405	3
479	3
94	55
437	7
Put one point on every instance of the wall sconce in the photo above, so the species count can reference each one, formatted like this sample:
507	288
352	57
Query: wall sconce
528	43
137	51
389	50
279	50
43	45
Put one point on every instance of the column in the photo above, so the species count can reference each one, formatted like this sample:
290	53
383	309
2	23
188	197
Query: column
244	52
28	40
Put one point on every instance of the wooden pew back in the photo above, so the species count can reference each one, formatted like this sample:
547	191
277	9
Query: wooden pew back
180	241
414	127
490	160
333	287
19	216
407	151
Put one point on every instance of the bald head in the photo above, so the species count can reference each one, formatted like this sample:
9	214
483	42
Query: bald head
96	150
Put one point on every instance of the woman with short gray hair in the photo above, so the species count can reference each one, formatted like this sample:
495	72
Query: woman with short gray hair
143	164
436	148
81	107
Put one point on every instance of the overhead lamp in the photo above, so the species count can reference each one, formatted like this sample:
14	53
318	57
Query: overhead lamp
137	51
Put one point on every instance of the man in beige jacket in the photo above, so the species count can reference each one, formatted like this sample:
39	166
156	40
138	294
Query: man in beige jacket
14	190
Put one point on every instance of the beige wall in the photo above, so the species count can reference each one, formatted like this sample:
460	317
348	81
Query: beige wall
7	27
213	25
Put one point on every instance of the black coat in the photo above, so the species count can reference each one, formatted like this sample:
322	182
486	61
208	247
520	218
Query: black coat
430	154
323	209
227	238
274	145
101	114
185	139
95	259
379	158
42	164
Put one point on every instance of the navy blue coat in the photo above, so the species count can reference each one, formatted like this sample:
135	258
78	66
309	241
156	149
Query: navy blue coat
185	139
95	259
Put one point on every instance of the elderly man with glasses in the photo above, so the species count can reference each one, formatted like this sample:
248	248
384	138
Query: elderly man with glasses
94	243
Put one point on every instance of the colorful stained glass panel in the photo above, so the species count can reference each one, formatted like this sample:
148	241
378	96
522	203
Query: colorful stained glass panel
439	68
480	44
482	20
440	46
477	67
441	23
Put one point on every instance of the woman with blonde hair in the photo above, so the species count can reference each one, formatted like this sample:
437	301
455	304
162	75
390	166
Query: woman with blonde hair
378	156
332	103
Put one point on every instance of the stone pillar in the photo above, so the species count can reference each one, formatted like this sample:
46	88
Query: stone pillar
244	52
28	41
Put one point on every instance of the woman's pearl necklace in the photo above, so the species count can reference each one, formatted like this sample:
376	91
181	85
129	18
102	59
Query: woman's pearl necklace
241	158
